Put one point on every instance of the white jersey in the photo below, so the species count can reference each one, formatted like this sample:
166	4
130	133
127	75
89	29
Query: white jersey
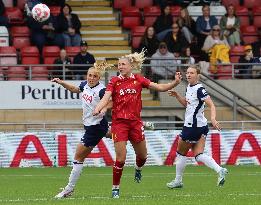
195	96
90	98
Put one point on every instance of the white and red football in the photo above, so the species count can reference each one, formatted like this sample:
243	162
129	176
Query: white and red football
40	12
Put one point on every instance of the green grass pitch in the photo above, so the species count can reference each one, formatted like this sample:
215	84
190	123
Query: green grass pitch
39	186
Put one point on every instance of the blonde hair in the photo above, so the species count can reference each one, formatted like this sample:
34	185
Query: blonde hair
136	59
101	67
196	67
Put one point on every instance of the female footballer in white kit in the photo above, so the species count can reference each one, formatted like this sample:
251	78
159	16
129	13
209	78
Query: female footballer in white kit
195	129
96	127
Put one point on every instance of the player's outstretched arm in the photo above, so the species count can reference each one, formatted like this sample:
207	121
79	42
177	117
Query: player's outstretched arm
182	100
68	86
212	107
166	86
104	102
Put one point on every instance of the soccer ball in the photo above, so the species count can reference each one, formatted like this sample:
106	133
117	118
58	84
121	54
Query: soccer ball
40	12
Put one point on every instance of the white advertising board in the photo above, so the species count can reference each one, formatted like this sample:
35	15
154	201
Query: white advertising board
37	95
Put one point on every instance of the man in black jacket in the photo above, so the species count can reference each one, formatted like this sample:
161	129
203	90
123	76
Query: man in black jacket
83	57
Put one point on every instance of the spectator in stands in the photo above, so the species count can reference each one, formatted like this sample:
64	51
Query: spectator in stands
230	26
69	25
217	47
214	38
58	70
204	24
3	19
187	25
149	41
187	54
175	39
44	33
162	24
163	65
245	71
83	57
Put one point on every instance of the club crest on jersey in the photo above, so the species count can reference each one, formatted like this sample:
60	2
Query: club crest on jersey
87	98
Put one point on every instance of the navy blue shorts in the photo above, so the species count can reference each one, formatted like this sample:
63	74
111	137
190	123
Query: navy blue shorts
94	133
193	134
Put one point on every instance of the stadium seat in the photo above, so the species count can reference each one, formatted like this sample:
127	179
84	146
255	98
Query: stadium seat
55	10
136	35
257	16
16	73
252	3
175	12
2	74
15	16
224	71
20	4
50	53
119	4
233	2
30	55
131	17
235	52
250	34
40	73
150	14
20	42
8	55
20	31
243	15
72	51
144	3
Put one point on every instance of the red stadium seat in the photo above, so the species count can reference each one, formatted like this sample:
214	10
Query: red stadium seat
144	3
40	73
175	12
131	17
8	55
228	2
20	42
16	73
250	34
119	4
252	3
257	16
72	51
20	31
150	15
224	71
55	10
242	13
51	51
15	16
235	52
136	35
30	55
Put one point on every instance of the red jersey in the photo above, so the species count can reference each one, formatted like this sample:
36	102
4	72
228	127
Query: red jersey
126	96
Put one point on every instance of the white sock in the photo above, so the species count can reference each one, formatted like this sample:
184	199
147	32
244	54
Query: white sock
208	161
180	166
138	168
75	173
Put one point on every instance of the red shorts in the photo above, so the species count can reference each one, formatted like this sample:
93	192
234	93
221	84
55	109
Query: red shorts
124	130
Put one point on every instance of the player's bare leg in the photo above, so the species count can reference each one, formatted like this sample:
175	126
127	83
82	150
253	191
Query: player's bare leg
182	150
198	150
81	153
141	157
120	150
